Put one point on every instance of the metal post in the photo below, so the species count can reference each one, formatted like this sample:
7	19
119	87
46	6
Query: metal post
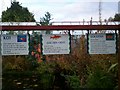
88	41
0	61
29	40
43	57
119	61
69	40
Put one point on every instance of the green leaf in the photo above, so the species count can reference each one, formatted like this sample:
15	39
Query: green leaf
112	66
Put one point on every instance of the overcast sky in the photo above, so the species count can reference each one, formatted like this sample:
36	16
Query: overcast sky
68	10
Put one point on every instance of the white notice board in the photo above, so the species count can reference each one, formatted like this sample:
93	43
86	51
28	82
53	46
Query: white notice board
14	45
55	44
102	43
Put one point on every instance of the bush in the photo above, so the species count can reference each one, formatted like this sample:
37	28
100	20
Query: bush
15	63
73	81
98	78
46	71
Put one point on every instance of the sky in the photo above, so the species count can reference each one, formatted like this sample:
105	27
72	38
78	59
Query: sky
68	10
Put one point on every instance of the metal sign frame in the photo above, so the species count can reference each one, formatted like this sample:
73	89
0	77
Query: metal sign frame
71	27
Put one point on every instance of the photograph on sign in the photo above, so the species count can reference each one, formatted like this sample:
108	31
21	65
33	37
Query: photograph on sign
14	44
55	44
104	43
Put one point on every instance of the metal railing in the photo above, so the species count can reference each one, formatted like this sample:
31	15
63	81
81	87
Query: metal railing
62	23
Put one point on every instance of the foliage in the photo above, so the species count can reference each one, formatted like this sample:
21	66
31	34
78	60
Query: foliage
45	21
110	19
41	78
46	70
15	64
99	78
20	80
73	81
17	13
45	67
79	69
35	48
112	67
117	17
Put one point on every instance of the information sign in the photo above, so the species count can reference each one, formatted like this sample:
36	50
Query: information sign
14	44
55	44
102	43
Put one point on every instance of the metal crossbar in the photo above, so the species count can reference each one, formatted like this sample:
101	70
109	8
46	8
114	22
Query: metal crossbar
62	23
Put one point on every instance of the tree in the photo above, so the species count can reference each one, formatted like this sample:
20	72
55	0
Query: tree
17	13
46	21
35	44
117	17
110	19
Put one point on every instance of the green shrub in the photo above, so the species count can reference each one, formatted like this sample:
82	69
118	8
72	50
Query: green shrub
98	78
73	81
46	71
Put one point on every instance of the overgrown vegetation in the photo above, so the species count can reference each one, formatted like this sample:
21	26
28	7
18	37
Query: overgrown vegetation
75	71
78	70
